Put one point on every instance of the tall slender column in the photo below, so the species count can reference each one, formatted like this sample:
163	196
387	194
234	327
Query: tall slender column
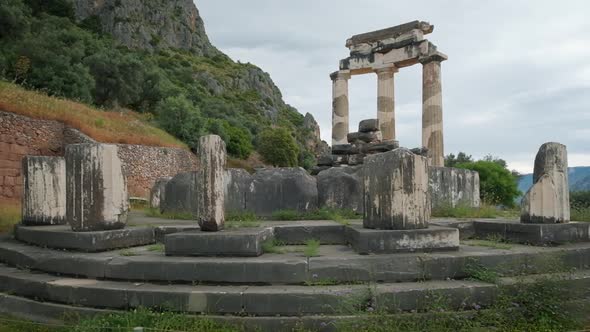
340	107
432	119
386	102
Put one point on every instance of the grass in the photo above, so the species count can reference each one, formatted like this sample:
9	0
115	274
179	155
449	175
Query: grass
158	247
337	215
128	252
488	244
476	271
241	220
484	211
155	213
312	248
580	214
124	127
272	246
10	215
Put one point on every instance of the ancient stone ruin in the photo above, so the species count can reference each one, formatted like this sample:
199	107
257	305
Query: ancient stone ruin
44	199
96	189
547	202
210	187
384	52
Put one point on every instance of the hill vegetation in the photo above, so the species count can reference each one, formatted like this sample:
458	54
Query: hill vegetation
45	46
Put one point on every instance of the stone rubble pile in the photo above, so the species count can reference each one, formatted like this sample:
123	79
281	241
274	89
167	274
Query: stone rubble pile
367	141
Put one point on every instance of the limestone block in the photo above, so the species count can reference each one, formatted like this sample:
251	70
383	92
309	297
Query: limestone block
237	183
158	192
547	202
44	197
210	190
356	159
451	187
325	161
180	194
344	149
369	137
339	160
276	189
341	188
378	147
369	125
395	186
96	188
318	169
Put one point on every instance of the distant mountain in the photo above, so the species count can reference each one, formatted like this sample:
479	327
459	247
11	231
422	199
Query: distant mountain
579	178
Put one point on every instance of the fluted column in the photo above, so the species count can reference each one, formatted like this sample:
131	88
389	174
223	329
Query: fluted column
432	119
339	107
386	102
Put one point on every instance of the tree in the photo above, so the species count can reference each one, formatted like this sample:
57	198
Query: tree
451	160
238	140
278	147
497	184
179	117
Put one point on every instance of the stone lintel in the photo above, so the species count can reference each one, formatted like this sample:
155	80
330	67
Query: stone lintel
403	57
436	56
340	75
392	32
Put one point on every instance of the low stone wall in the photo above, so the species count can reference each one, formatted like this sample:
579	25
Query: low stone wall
21	136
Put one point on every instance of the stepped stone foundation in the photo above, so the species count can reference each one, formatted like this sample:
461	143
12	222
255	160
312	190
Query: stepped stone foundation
158	192
384	52
96	189
547	202
44	199
210	190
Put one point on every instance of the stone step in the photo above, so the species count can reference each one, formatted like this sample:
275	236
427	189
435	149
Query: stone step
267	300
335	264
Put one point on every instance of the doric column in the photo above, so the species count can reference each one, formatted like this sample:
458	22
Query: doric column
432	119
386	102
339	107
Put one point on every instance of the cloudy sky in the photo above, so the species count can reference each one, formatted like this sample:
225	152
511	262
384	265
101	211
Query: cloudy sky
518	73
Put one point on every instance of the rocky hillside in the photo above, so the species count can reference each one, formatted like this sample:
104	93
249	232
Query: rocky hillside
579	179
153	57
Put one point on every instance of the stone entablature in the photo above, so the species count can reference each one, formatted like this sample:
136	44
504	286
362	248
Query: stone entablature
384	52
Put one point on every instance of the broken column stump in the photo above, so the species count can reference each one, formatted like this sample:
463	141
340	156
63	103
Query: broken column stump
96	188
211	198
44	198
547	202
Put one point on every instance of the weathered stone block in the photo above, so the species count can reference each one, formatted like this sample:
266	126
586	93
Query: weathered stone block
237	183
341	188
356	159
96	188
547	201
371	241
451	187
181	194
534	234
370	137
325	161
378	147
395	186
158	192
239	242
281	189
339	160
369	125
210	190
343	149
44	199
318	169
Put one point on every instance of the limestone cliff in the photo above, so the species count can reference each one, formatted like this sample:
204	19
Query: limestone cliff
151	24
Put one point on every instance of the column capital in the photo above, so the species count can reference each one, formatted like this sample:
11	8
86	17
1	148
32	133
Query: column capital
386	70
434	57
340	75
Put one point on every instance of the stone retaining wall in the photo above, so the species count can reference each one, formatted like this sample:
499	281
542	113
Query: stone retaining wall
21	136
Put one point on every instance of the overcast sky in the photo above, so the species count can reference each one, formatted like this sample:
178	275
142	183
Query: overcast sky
518	73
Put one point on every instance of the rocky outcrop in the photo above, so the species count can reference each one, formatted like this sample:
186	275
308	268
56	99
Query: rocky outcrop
547	201
150	25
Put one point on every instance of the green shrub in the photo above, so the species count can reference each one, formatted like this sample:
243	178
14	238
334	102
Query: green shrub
498	186
278	147
180	117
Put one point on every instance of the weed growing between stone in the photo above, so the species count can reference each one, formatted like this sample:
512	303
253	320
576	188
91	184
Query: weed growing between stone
488	244
128	252
312	248
476	271
272	246
245	219
10	215
155	213
337	215
158	247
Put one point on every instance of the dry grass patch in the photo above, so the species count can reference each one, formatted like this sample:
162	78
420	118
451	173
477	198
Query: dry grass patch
125	127
10	215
